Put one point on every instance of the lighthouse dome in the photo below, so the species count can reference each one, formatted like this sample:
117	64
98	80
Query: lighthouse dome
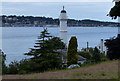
63	11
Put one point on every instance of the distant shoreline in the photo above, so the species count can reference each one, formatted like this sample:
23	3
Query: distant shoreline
58	26
30	21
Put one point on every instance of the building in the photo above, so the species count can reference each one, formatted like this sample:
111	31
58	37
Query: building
102	47
63	26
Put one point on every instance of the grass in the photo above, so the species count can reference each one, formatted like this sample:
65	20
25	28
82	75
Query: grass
104	70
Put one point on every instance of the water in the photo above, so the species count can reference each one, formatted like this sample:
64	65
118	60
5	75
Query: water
17	40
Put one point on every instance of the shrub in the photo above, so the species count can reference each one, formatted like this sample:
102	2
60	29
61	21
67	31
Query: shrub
86	55
72	56
13	67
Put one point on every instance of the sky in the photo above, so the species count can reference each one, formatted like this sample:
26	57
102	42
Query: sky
57	0
75	10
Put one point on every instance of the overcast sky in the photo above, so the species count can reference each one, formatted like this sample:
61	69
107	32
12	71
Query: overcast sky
75	10
57	0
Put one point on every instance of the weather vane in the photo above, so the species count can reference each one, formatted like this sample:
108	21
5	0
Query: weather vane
63	7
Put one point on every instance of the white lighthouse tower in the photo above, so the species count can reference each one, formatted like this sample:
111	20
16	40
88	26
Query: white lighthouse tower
63	25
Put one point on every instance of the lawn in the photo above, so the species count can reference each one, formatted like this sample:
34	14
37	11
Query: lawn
105	70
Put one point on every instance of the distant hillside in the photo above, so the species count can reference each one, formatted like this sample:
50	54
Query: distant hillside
31	21
106	70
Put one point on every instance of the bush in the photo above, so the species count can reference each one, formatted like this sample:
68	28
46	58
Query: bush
96	55
13	68
72	55
86	55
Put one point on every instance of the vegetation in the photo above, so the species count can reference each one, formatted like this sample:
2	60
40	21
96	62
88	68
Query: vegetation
106	70
44	56
94	55
13	68
115	11
86	53
2	62
113	46
46	44
72	56
50	58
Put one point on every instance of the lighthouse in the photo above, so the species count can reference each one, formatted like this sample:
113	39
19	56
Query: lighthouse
63	25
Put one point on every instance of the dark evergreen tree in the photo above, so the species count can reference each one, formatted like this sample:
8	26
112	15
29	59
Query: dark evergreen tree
72	55
40	47
96	55
2	62
13	67
46	54
113	46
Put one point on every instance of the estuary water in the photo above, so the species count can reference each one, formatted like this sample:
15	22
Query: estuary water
17	40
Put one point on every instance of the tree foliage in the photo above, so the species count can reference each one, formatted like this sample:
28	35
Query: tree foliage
115	11
96	55
85	54
40	47
113	46
13	68
46	55
2	62
93	54
72	55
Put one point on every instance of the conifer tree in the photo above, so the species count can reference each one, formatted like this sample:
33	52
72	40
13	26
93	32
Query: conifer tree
40	47
72	56
2	62
96	55
46	54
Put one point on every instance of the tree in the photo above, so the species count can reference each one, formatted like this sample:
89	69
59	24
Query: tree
40	47
46	54
113	47
85	54
2	62
13	68
115	11
72	56
96	55
93	54
113	44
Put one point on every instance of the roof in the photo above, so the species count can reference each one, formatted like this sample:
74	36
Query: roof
63	11
81	58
